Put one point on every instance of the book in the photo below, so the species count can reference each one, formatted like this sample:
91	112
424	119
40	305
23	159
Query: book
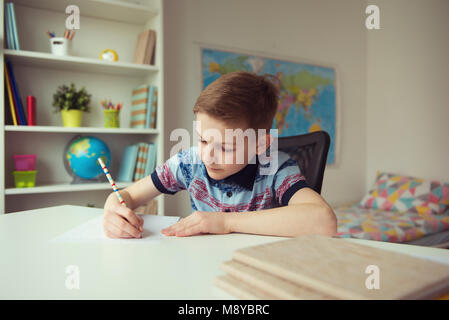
154	99
311	265
11	28
141	45
150	49
145	47
151	159
150	121
8	28
141	161
136	168
139	102
149	101
144	160
16	95
7	114
128	163
10	99
14	26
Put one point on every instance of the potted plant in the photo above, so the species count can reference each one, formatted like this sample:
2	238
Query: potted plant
72	103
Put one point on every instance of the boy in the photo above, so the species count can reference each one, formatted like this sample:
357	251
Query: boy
228	192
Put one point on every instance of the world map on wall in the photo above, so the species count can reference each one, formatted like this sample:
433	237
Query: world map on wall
307	100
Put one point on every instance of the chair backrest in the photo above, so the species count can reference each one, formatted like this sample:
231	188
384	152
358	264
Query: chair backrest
310	151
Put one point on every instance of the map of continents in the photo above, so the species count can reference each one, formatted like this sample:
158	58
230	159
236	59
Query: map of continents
307	99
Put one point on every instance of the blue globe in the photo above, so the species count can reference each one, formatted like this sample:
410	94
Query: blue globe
81	156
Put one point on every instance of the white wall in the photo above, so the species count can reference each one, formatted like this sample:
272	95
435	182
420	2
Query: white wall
408	90
326	31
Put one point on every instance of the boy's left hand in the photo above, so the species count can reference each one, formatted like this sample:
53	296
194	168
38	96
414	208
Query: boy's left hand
199	222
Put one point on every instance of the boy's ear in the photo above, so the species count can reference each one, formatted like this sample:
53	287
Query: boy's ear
263	143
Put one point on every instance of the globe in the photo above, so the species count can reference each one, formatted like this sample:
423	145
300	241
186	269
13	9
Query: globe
81	154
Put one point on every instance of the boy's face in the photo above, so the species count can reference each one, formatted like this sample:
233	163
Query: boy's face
222	153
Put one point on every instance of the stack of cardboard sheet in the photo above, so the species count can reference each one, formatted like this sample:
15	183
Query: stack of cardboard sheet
317	267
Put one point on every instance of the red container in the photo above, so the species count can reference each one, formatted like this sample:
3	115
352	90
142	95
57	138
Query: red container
25	162
31	108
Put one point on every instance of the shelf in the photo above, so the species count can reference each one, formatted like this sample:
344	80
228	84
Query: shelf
54	129
77	64
103	9
119	22
66	187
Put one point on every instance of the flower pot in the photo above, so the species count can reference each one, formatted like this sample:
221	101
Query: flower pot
72	118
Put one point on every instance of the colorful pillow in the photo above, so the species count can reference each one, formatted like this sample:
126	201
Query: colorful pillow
407	194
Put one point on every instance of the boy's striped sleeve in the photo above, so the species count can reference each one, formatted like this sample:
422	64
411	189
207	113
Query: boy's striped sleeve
170	177
288	179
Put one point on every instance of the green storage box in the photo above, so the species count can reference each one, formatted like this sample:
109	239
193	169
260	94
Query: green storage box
24	179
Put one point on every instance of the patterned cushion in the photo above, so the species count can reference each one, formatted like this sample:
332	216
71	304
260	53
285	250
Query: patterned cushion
407	194
391	226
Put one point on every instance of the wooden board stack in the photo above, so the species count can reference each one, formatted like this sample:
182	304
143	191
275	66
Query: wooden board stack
317	267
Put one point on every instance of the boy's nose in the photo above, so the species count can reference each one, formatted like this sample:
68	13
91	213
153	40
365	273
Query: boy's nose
209	155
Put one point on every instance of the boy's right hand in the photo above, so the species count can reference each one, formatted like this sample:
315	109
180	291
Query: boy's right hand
120	221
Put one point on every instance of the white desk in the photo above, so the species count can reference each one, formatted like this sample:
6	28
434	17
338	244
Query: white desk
176	268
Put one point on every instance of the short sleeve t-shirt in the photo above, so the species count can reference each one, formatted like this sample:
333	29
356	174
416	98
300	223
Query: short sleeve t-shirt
250	189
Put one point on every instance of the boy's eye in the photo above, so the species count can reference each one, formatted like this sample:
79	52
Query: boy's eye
222	148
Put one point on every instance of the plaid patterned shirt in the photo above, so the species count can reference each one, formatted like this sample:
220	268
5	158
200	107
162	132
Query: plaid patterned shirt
246	190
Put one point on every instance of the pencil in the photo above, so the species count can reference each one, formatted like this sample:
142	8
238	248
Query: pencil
111	181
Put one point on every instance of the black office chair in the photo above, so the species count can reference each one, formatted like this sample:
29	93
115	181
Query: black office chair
310	151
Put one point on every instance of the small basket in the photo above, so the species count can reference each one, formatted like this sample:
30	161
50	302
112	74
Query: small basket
25	162
24	179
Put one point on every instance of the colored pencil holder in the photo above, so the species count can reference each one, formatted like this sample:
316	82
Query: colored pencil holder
25	162
24	179
60	46
111	118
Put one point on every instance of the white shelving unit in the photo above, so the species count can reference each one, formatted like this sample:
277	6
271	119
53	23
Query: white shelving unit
79	130
69	63
104	24
65	188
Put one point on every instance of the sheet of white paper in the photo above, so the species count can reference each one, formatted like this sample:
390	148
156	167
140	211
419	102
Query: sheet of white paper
92	231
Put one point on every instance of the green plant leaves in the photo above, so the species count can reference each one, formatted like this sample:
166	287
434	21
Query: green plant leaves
68	98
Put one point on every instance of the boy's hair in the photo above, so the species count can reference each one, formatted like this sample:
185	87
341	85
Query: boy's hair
241	95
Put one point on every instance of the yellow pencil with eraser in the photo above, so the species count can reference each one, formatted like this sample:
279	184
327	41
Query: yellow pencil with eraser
111	181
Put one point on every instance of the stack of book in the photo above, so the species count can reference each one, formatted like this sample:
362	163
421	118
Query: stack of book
144	106
14	110
318	267
145	47
138	161
12	36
